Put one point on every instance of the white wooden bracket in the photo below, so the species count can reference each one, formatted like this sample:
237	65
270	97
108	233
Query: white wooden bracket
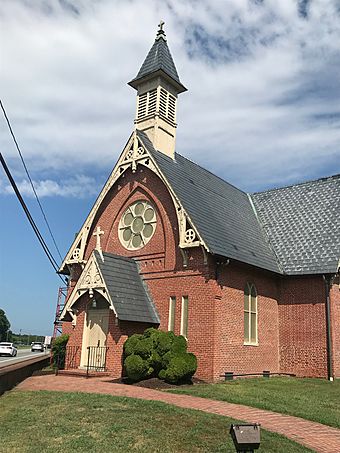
134	154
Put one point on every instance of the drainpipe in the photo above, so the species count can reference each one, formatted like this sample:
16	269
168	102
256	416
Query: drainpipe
328	328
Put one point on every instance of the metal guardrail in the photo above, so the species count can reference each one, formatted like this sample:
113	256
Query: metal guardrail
96	358
69	359
72	357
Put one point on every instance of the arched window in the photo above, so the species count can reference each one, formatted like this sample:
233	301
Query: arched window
250	314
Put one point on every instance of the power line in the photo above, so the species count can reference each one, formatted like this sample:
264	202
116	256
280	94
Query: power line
29	217
28	175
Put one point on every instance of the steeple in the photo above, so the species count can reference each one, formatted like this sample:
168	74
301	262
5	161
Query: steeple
158	85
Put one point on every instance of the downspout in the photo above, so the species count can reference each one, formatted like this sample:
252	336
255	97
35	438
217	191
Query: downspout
328	328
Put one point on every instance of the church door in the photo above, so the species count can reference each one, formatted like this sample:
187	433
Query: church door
94	335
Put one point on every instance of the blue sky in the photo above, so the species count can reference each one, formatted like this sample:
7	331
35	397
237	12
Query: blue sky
262	109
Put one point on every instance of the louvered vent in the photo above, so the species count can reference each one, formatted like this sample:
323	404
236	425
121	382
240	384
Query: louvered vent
152	101
167	105
171	107
142	105
147	104
163	102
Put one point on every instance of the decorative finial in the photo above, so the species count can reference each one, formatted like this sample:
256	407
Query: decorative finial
161	32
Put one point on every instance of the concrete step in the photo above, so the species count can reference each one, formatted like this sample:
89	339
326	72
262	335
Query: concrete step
82	373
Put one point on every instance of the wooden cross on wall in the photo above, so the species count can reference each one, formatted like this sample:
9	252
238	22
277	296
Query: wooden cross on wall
98	233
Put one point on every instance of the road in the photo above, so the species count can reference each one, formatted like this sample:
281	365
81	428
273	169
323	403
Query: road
23	354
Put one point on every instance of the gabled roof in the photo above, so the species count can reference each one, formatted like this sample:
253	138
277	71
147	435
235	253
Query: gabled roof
126	289
292	231
303	224
158	59
222	213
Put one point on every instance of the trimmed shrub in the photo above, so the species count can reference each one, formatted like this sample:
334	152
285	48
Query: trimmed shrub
150	332
158	353
164	342
139	345
144	348
155	361
136	368
166	359
161	374
59	351
179	344
181	368
130	344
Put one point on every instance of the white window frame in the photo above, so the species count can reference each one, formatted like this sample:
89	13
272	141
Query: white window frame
185	316
249	289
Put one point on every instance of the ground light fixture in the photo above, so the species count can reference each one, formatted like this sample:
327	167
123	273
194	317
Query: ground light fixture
246	437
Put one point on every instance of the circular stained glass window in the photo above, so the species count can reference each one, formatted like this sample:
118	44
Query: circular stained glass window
137	225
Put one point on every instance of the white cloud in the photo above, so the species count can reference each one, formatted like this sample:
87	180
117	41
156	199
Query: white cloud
262	107
78	187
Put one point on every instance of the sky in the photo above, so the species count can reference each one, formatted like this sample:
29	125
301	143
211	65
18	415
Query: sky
261	111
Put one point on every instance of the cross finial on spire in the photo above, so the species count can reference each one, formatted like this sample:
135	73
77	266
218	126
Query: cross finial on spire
161	32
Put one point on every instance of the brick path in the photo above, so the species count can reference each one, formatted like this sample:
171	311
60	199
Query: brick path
315	436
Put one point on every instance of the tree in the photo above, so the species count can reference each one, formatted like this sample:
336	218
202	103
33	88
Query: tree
4	325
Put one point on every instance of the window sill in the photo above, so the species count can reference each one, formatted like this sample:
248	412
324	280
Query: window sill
251	344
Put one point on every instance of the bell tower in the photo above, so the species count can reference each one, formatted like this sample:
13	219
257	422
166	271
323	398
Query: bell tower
158	86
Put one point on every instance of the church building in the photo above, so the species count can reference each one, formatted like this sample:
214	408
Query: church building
250	280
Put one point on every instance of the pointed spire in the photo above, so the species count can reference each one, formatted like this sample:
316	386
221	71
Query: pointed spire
159	62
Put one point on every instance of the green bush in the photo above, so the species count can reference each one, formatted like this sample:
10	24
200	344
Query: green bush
150	332
166	359
164	342
144	348
155	361
136	368
59	351
158	353
139	345
179	344
181	368
130	344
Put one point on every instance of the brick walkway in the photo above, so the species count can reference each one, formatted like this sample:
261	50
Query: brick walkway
315	436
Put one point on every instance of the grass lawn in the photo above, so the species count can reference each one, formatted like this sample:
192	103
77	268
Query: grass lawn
77	422
313	399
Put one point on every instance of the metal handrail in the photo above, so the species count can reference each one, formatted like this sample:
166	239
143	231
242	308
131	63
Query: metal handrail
96	358
71	356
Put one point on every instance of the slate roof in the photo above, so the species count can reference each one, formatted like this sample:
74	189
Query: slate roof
158	59
293	230
303	225
222	213
128	293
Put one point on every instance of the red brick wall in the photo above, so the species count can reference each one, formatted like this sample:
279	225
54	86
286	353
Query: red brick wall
302	320
161	266
230	352
291	333
117	334
335	323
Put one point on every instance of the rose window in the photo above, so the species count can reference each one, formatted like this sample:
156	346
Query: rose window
137	225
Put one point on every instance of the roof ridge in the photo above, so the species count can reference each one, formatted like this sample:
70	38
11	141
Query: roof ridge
323	178
265	234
